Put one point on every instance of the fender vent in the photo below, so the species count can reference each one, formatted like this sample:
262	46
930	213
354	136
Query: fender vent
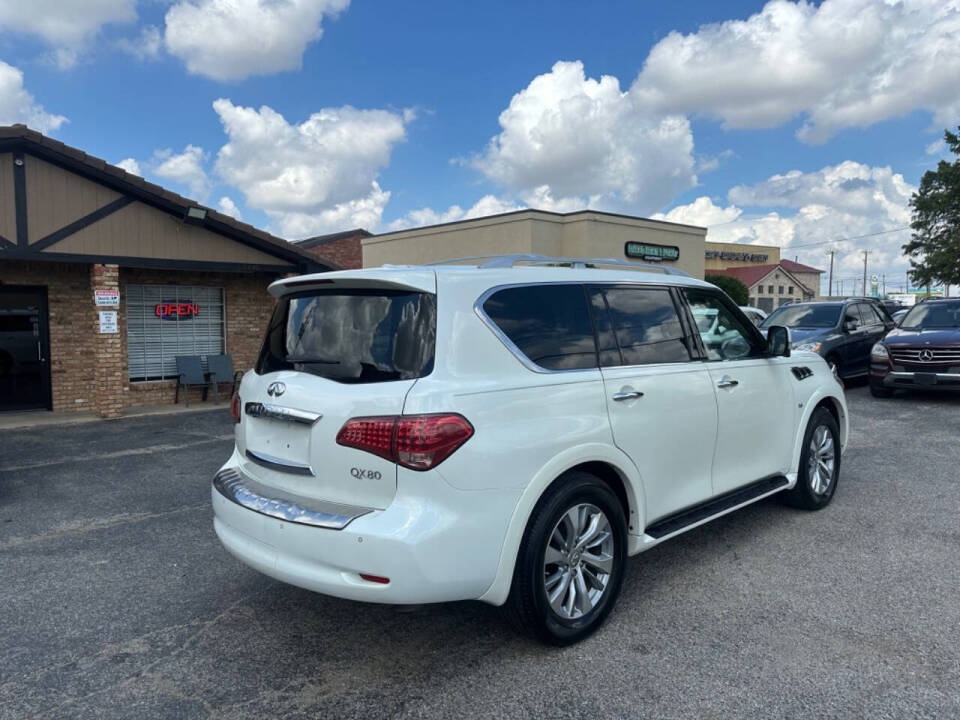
801	372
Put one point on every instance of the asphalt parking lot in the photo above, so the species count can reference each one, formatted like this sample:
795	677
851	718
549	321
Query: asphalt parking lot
118	601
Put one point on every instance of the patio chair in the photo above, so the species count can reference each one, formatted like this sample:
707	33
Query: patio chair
190	374
220	369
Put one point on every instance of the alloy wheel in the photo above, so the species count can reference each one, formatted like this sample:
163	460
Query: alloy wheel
578	561
821	460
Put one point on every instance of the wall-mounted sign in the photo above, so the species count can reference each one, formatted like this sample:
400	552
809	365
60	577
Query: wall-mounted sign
108	322
739	256
172	310
106	298
648	251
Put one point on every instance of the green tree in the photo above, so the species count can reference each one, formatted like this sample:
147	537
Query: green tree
934	249
738	292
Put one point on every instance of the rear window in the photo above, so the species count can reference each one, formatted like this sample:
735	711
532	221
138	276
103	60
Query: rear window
638	326
352	336
549	324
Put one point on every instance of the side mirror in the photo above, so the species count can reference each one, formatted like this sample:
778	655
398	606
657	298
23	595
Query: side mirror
849	326
778	341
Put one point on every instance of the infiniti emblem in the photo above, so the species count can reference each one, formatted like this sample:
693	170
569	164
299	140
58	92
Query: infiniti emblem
926	355
276	389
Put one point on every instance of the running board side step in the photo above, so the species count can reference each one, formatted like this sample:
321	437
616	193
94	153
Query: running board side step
715	506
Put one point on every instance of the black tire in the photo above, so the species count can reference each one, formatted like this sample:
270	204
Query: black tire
879	391
528	606
804	494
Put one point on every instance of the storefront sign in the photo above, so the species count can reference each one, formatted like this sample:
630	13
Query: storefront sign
108	322
739	256
106	298
656	253
172	310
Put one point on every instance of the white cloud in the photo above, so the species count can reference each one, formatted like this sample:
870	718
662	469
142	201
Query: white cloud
848	200
312	177
67	26
363	212
19	106
131	166
147	46
233	39
839	64
185	169
576	141
487	205
228	207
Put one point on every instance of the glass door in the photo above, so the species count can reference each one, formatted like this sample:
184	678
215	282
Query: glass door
24	348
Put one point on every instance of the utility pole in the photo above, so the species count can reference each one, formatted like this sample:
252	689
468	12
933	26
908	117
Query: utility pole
884	284
830	294
865	253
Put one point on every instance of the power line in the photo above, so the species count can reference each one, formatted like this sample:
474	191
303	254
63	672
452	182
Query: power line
854	237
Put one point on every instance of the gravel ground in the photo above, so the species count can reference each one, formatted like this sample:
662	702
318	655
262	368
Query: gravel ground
118	601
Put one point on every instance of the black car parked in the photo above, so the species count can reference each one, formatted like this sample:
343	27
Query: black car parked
922	353
841	332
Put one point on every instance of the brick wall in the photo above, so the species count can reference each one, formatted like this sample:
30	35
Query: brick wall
346	252
89	372
108	358
70	303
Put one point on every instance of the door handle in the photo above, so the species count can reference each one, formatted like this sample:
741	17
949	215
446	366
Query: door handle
727	382
627	395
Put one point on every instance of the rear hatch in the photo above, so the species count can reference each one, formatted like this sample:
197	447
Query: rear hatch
343	346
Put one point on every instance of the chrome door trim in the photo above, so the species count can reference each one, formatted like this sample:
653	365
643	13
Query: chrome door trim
245	492
278	464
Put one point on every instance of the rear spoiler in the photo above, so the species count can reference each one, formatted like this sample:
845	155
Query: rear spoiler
416	280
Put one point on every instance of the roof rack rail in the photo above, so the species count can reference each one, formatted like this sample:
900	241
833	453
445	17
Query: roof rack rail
508	261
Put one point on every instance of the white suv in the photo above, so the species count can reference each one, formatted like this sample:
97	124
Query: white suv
510	431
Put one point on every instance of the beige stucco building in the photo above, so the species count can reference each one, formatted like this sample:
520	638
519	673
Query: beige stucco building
719	256
586	233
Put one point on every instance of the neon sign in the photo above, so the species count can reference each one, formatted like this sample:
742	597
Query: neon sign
176	310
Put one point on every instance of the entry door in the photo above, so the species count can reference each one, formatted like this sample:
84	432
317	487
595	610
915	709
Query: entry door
24	348
754	397
661	402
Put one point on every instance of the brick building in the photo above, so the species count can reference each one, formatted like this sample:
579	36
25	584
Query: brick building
343	249
106	278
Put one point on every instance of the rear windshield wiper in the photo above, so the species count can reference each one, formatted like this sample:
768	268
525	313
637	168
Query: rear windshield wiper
312	361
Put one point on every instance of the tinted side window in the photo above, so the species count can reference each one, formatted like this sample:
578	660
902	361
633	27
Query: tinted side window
637	326
851	315
550	324
870	315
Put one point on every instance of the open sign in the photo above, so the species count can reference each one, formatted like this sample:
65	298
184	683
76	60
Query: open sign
176	310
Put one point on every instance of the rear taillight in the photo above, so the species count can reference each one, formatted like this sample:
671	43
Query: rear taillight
235	407
418	442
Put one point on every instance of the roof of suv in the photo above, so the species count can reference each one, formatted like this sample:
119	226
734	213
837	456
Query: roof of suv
503	270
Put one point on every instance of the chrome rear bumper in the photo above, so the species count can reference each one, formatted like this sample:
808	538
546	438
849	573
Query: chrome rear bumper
247	493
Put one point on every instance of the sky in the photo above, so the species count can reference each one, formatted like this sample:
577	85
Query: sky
801	125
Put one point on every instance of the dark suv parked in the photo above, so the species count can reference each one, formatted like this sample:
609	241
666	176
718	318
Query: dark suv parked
841	332
922	353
